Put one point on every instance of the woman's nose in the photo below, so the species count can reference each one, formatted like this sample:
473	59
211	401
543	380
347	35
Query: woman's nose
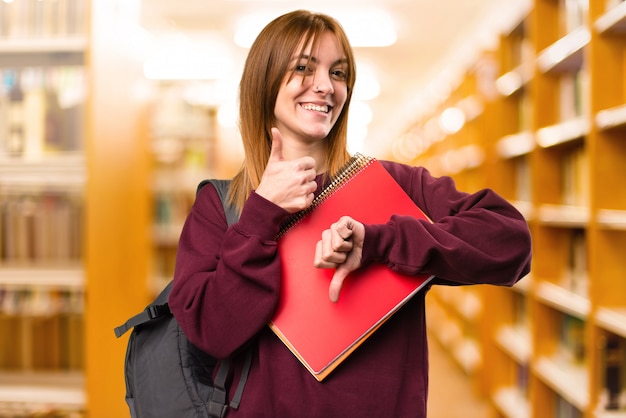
322	84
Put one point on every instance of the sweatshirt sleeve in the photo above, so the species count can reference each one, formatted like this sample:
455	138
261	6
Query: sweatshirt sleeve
226	279
474	238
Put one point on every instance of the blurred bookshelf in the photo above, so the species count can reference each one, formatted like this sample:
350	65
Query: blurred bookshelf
94	188
42	181
183	138
55	360
552	143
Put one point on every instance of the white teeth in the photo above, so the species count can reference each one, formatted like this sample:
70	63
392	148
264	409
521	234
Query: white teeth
310	106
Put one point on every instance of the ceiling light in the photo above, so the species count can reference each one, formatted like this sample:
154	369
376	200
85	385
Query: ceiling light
367	86
452	120
360	112
356	138
178	57
210	93
228	114
365	27
360	118
369	27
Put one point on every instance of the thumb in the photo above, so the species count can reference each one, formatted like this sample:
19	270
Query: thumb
337	282
276	153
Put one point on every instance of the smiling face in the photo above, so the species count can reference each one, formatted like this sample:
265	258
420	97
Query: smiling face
313	92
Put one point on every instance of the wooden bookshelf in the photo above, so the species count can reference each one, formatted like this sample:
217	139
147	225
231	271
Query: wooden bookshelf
555	342
607	54
183	143
457	315
74	199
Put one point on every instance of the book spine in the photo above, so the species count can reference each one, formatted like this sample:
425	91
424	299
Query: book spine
46	329
613	371
40	228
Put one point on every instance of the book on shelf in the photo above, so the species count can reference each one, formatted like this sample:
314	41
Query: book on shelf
565	409
320	333
573	14
522	378
572	339
576	278
46	328
41	111
44	227
523	183
37	19
572	94
170	210
72	338
613	371
11	329
520	311
46	344
575	177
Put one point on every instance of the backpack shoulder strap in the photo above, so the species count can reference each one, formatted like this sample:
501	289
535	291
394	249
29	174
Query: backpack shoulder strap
222	186
219	405
155	310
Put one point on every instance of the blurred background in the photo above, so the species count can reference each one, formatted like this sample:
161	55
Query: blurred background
112	111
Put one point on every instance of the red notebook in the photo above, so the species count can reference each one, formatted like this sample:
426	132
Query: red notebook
319	332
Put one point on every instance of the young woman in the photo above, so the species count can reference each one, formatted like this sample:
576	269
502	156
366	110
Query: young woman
294	97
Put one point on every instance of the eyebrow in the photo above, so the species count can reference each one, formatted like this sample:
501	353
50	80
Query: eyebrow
307	57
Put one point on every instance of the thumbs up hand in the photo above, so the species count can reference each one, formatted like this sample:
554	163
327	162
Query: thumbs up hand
289	184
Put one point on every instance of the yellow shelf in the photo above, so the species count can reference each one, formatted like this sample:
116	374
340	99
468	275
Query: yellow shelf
42	278
611	219
37	393
563	215
566	53
614	20
612	320
553	145
64	44
511	403
516	145
571	381
563	132
614	117
516	341
563	300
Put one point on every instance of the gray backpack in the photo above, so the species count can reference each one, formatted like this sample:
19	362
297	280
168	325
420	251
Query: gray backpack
167	376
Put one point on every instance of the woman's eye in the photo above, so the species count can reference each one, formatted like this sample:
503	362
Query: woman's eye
339	74
303	68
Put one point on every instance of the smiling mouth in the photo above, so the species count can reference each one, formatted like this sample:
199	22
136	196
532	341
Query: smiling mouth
316	108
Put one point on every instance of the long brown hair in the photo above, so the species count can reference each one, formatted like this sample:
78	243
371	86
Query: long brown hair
265	68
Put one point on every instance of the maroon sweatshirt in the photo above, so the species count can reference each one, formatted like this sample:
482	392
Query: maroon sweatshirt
227	283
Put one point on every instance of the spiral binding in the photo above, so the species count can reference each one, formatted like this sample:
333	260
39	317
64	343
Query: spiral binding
355	165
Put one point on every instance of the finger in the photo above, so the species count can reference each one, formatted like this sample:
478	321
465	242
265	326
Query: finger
344	227
334	248
327	259
339	243
276	153
318	261
337	283
340	236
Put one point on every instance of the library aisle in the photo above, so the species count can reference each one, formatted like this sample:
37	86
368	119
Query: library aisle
539	116
451	393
